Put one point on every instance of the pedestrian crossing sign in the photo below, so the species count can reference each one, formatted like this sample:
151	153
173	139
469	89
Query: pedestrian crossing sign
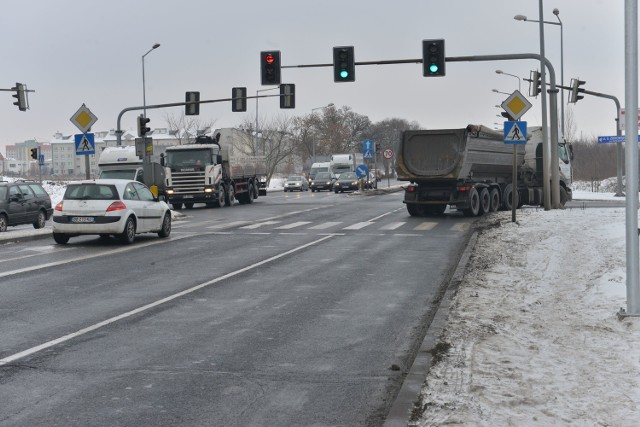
85	144
515	132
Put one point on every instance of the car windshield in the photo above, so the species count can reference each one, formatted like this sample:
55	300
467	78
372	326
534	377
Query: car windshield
91	192
348	175
295	178
323	175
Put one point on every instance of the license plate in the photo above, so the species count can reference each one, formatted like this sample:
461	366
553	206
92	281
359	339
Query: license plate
83	219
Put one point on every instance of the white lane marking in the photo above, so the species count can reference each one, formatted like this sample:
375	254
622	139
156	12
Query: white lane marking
259	224
228	224
325	225
425	226
293	225
358	225
99	325
392	226
32	255
461	226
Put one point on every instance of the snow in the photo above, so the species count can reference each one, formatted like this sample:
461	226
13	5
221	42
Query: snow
533	329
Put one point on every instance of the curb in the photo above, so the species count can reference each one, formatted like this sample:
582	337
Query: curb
403	406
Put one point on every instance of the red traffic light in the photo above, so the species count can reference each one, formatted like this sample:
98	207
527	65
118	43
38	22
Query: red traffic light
269	58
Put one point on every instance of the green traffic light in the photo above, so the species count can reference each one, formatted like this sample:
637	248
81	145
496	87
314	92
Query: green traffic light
344	74
433	68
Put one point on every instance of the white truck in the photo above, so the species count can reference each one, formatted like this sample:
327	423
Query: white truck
122	162
471	169
319	167
345	162
202	172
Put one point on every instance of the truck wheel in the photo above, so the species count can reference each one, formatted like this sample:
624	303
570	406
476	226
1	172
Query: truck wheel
474	203
494	196
176	206
250	194
506	197
222	197
485	201
414	210
231	195
563	196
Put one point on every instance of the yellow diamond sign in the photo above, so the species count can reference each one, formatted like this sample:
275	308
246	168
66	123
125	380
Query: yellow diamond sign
516	105
83	119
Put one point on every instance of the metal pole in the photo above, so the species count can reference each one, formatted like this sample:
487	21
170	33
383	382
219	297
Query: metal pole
546	152
557	13
144	97
631	132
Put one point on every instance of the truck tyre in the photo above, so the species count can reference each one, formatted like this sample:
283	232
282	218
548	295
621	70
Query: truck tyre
506	197
474	203
563	196
494	195
485	201
231	195
414	210
177	206
222	196
256	190
251	194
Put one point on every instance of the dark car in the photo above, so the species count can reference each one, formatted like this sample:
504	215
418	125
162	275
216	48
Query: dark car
347	181
322	181
23	202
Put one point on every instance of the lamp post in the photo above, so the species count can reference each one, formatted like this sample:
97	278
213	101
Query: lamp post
512	75
556	12
264	151
497	91
144	95
313	154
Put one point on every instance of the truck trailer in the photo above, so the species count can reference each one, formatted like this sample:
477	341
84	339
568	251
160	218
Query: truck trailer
471	170
203	172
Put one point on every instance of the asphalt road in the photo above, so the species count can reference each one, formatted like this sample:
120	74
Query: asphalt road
301	309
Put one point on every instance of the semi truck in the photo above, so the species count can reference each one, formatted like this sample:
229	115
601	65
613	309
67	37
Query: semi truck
471	170
203	172
122	162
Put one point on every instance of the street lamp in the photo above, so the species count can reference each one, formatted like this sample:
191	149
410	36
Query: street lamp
264	151
144	96
556	12
512	75
313	154
497	91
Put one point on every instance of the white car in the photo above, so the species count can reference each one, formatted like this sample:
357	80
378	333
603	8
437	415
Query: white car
105	207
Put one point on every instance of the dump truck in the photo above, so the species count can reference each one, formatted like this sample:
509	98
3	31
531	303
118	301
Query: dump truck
471	170
203	172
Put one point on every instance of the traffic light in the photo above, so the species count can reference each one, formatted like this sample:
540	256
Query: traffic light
535	83
575	90
239	99
34	153
192	109
433	59
21	97
344	64
287	96
270	67
142	126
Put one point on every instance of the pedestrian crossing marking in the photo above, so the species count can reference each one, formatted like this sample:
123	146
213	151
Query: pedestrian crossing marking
461	226
293	225
425	226
392	226
228	224
324	225
259	224
358	225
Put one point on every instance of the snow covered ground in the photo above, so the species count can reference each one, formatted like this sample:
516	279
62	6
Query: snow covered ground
533	336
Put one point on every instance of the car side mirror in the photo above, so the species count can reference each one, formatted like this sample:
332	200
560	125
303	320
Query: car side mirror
162	159
15	198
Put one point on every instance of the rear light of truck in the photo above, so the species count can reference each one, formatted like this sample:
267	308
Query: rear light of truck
410	188
464	187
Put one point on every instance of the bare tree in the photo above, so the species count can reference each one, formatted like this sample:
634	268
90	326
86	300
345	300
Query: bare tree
187	128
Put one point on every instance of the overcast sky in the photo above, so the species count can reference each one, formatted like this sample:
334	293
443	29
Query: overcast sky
73	52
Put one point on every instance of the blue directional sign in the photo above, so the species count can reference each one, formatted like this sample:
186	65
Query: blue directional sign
85	144
515	132
610	139
362	171
367	149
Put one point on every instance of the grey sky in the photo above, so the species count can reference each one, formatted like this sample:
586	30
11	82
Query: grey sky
72	52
